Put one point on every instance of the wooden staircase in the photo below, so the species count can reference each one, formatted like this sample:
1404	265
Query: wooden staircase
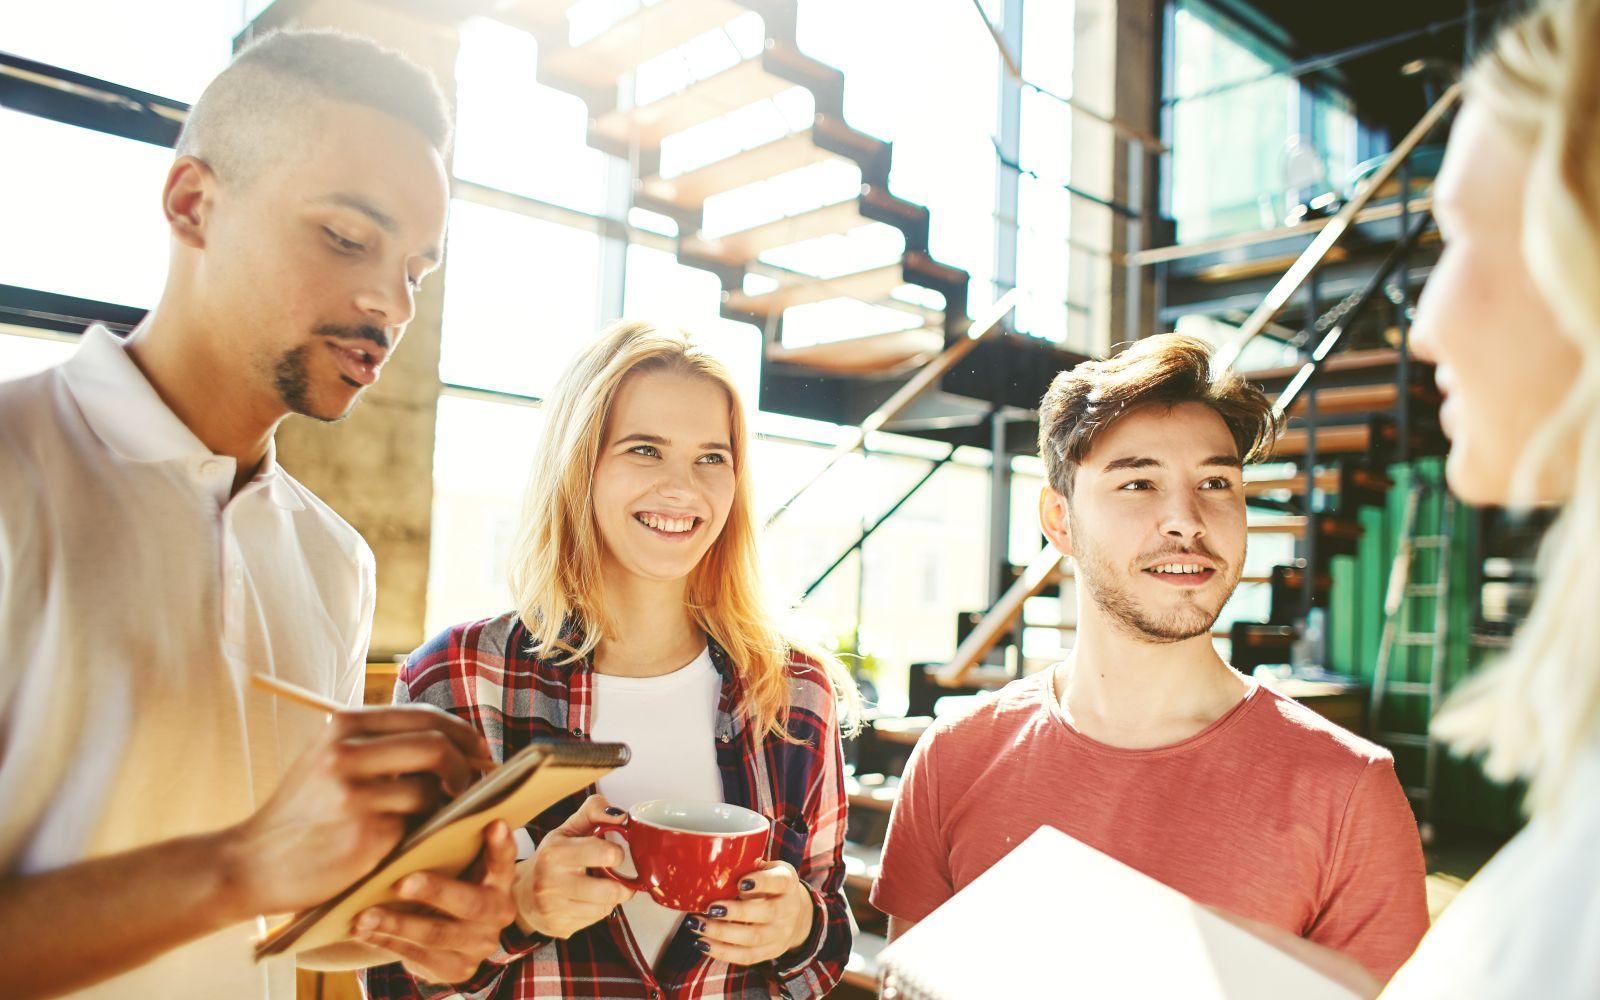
707	153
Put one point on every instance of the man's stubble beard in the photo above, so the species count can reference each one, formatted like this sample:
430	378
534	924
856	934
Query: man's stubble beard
292	380
1102	584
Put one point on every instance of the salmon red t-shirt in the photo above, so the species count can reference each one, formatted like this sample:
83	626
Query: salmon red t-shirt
1271	812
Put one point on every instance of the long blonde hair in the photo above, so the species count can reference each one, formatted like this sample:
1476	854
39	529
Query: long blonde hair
556	562
1536	713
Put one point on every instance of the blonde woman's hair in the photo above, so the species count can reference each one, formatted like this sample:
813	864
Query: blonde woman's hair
1536	713
556	562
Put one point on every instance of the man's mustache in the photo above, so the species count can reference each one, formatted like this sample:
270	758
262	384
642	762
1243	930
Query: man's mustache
361	332
1194	550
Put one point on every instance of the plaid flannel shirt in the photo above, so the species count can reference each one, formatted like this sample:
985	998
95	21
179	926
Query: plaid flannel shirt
484	673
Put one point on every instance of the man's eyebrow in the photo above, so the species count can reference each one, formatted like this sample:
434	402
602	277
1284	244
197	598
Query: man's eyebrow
1131	462
383	220
1146	462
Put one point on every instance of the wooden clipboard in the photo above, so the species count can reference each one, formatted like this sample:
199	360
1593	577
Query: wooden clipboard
517	791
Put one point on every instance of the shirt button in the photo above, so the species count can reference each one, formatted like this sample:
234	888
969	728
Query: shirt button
577	732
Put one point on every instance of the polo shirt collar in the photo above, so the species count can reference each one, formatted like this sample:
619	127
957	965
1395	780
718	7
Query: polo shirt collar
125	412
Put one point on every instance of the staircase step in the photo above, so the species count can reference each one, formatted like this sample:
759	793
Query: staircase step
1404	739
637	38
1327	482
689	190
713	97
523	13
746	245
1351	440
1378	398
1407	687
861	864
861	971
872	791
1279	526
872	285
1346	361
879	353
904	730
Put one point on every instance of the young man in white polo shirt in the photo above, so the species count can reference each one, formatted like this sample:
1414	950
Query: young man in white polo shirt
153	556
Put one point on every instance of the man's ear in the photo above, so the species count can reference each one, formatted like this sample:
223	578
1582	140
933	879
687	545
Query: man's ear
187	200
1054	520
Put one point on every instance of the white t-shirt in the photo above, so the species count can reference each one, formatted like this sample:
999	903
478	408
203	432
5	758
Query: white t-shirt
136	598
1528	925
670	723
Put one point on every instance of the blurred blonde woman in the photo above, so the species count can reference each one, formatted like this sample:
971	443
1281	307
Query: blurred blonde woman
639	619
1511	316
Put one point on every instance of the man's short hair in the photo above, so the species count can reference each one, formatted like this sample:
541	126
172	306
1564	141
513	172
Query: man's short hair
1165	370
256	110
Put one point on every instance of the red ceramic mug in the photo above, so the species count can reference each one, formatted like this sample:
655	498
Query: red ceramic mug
691	854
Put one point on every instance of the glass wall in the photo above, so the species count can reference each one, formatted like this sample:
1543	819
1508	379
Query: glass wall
1246	146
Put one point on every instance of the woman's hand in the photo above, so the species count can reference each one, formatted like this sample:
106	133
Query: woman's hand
460	927
773	915
554	892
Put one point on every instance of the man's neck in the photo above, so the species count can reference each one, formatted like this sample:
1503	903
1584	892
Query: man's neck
210	395
1126	691
652	633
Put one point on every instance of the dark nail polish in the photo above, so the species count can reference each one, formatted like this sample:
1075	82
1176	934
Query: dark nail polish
718	912
703	945
695	924
748	884
614	811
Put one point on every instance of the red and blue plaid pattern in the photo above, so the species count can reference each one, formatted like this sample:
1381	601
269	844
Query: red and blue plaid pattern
484	673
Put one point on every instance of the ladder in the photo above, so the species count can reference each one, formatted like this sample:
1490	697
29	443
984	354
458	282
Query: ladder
1401	632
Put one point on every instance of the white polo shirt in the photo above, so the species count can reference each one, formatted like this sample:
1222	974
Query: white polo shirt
136	598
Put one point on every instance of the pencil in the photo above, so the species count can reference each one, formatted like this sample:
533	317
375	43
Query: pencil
310	699
296	693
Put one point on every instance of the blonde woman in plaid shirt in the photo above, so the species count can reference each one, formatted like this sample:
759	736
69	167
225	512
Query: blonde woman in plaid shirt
637	555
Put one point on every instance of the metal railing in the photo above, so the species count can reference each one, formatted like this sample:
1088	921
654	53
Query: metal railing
920	382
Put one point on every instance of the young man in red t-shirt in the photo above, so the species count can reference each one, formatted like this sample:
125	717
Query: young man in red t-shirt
1144	743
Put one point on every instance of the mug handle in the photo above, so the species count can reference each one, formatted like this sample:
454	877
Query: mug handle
636	883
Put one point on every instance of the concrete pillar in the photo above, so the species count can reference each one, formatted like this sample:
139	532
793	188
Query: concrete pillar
376	467
1116	71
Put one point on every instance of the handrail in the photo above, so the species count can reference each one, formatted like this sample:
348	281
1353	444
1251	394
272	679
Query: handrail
1336	332
868	531
1125	129
1315	254
915	386
994	624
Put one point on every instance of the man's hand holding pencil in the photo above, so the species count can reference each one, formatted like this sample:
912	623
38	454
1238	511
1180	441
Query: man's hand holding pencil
343	806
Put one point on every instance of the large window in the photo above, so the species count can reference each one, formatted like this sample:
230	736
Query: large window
172	48
1246	145
544	247
521	295
81	212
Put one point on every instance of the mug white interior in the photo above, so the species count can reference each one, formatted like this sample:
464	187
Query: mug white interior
711	819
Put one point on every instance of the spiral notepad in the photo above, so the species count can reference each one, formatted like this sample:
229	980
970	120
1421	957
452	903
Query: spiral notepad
516	791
